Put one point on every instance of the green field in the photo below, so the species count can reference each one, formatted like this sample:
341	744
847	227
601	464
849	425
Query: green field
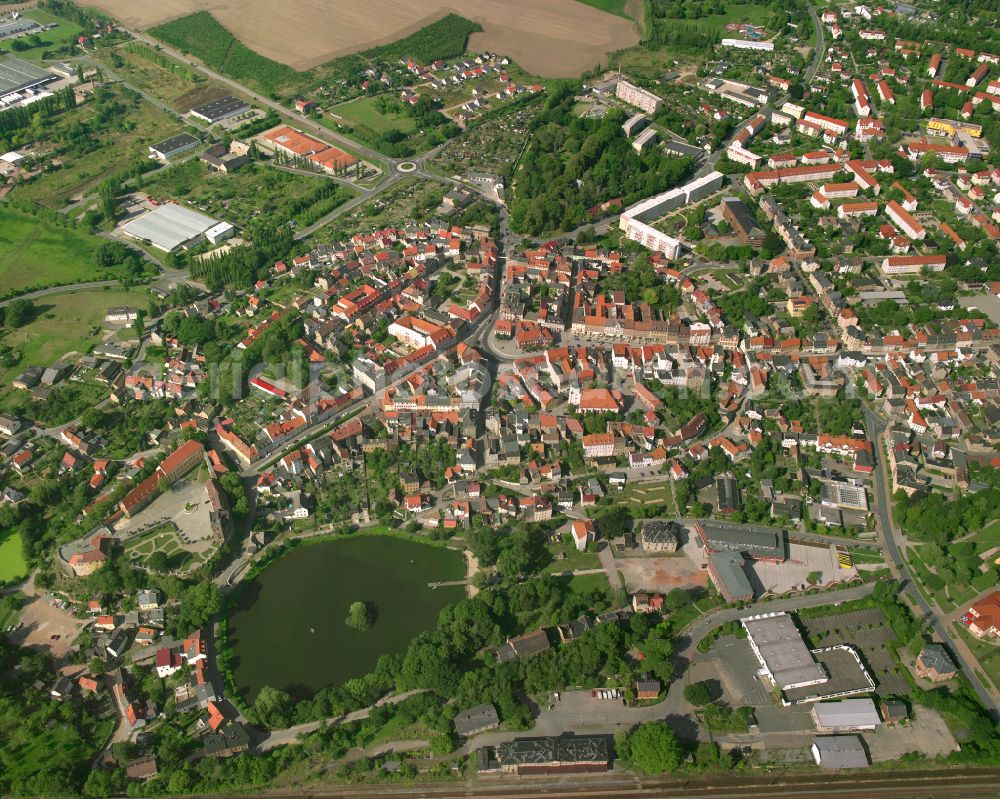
574	560
987	654
364	111
35	253
201	35
63	324
63	33
12	562
610	6
180	86
584	585
114	146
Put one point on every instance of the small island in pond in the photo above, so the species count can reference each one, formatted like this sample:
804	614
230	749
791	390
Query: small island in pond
360	616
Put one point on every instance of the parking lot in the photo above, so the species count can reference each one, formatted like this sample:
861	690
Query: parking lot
868	632
736	666
926	732
47	626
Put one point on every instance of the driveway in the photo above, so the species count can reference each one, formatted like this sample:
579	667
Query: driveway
607	559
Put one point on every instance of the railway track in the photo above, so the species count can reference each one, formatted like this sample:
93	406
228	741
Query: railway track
969	783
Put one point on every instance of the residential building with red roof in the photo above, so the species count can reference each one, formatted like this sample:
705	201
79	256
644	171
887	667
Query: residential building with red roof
986	616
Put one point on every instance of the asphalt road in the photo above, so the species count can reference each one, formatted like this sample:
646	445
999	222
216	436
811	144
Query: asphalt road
34	295
820	43
937	619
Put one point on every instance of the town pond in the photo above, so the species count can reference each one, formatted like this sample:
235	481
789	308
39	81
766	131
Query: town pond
288	629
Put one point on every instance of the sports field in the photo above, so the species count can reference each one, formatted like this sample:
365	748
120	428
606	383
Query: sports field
557	38
12	562
34	252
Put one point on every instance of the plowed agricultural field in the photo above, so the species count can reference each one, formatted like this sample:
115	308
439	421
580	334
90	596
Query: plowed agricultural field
552	38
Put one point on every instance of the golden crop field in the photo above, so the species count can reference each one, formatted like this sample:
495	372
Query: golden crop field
554	38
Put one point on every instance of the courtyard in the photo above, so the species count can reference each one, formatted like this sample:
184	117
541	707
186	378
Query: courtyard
176	523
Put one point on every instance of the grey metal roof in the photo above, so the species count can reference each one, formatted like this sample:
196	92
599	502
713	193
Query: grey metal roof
16	75
729	567
178	143
846	713
780	647
221	109
840	751
169	226
476	718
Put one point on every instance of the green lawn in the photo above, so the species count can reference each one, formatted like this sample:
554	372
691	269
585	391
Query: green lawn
574	560
988	656
64	32
610	6
34	252
12	562
658	493
364	111
63	324
989	536
586	583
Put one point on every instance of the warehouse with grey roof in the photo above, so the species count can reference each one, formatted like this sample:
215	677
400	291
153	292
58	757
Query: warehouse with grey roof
839	751
223	108
173	227
784	658
17	75
847	715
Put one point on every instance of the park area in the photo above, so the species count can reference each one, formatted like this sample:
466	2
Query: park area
35	253
559	38
938	572
67	322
